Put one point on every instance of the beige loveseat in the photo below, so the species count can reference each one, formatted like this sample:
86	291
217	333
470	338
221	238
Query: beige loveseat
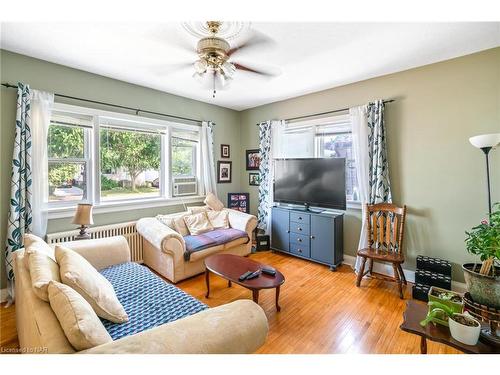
238	327
164	248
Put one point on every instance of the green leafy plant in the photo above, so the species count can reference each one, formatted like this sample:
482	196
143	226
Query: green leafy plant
436	309
484	240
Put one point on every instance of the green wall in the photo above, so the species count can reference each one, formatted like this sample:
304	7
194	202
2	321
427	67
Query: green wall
43	75
433	168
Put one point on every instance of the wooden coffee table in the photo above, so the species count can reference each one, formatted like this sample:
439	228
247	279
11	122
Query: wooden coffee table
231	267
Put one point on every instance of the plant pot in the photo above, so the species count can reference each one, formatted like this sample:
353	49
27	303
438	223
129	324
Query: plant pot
466	334
483	289
455	306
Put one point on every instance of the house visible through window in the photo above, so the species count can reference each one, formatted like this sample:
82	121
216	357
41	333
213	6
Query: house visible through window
103	157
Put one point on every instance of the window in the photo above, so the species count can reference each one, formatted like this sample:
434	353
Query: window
68	156
107	158
320	138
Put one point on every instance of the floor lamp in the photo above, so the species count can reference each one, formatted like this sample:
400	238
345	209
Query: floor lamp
486	142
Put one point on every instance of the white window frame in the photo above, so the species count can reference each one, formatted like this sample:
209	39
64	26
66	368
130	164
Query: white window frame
340	119
58	210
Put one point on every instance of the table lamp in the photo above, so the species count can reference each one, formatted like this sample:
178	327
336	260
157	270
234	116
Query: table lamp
486	142
83	217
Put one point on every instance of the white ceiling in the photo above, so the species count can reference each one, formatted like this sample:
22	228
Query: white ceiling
310	56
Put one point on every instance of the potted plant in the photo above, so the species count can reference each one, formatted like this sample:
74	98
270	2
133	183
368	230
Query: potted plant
448	298
483	280
463	327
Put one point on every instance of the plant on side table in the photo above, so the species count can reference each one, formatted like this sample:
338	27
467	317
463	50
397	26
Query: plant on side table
463	327
483	280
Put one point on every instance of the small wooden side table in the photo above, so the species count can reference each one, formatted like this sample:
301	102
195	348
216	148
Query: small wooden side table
417	311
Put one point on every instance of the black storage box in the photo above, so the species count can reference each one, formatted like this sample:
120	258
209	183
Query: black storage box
263	243
432	278
421	292
434	264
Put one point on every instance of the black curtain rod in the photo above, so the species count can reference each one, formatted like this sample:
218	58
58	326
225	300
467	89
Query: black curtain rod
136	110
326	113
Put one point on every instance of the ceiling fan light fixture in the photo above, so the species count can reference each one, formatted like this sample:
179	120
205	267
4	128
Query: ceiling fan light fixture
200	66
228	69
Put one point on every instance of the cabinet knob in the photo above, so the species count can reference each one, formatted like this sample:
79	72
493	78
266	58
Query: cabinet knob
299	239
300	250
300	229
300	217
288	231
312	237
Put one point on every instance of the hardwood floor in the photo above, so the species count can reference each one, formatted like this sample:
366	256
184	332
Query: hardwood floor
321	311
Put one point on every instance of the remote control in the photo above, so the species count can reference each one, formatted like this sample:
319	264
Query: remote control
269	271
244	276
253	275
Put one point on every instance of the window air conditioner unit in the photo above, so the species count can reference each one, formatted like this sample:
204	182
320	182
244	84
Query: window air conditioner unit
185	186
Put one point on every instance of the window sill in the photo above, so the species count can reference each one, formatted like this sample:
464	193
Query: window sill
69	211
354	205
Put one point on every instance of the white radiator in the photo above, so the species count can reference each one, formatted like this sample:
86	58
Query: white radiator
126	230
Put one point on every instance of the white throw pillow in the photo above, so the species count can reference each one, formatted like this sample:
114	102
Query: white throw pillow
34	243
43	270
198	223
213	202
219	219
180	225
197	209
79	322
167	220
79	274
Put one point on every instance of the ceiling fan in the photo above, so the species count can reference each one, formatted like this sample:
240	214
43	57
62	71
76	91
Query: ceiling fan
215	65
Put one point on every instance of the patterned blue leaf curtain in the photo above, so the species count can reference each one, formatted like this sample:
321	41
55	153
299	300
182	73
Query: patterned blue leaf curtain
266	169
29	186
370	152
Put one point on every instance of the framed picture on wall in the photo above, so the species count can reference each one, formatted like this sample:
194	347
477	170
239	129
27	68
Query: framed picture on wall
224	151
239	202
254	179
253	160
224	171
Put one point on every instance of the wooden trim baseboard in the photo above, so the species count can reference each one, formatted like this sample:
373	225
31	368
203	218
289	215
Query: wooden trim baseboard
386	269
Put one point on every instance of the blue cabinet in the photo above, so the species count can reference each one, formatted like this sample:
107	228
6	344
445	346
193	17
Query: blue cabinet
314	236
280	229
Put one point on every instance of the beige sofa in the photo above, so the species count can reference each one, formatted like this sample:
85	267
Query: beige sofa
238	327
164	248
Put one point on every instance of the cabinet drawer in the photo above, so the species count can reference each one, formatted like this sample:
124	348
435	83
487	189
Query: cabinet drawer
300	228
300	217
300	250
299	239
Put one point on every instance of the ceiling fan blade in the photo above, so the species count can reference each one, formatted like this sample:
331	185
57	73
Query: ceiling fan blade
256	39
166	69
264	72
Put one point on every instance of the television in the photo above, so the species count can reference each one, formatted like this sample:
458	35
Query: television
310	182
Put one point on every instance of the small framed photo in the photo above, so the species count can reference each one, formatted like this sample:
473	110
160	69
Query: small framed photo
225	151
253	160
224	171
254	179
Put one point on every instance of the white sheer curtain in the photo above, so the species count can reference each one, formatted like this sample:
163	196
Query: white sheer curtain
41	108
209	182
359	122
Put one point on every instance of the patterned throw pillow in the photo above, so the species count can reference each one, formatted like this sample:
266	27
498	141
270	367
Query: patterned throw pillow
198	223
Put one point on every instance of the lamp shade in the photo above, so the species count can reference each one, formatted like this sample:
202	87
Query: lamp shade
83	215
485	140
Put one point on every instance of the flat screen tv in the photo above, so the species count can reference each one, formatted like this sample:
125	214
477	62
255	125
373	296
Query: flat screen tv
310	182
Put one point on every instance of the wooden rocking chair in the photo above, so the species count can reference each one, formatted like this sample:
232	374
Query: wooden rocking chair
385	226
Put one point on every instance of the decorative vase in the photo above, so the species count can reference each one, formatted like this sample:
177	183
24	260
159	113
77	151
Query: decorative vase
482	288
466	334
